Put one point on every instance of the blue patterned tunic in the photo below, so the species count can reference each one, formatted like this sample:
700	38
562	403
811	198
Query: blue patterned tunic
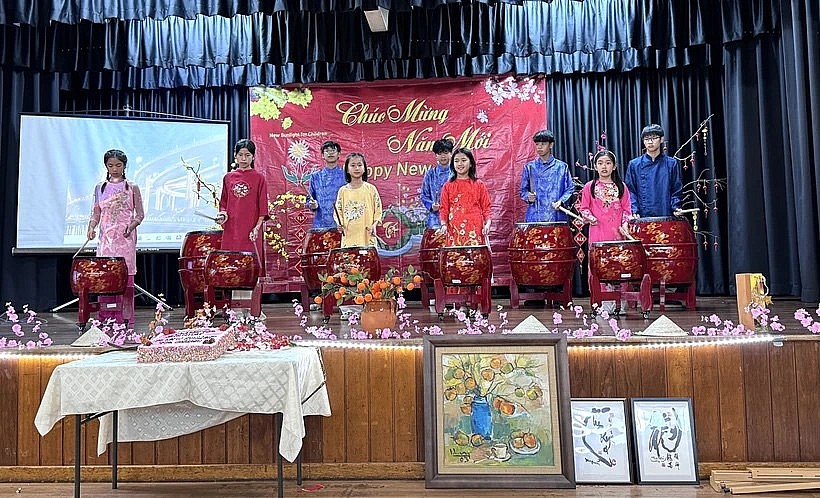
324	187
434	179
551	181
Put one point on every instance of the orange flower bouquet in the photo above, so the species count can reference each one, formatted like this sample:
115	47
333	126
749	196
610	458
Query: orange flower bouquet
355	285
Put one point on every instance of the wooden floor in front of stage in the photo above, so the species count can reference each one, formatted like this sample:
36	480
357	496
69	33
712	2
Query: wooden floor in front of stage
281	319
337	489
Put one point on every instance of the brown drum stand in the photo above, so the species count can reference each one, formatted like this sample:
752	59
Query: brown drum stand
97	276
432	240
195	248
465	275
622	264
234	270
542	257
671	257
313	261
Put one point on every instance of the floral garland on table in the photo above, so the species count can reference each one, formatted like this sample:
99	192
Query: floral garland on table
19	342
250	331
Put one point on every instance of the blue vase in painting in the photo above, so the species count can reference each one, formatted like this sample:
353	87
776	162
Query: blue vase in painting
481	421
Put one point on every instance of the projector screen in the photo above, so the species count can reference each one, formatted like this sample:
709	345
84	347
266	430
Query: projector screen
61	160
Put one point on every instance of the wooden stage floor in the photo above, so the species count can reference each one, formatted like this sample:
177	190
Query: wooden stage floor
62	329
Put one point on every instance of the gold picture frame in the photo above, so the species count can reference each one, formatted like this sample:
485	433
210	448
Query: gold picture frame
497	412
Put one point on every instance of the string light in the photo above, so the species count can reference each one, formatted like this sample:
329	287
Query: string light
8	355
412	345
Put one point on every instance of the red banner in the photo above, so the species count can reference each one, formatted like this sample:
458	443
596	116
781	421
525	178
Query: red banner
394	124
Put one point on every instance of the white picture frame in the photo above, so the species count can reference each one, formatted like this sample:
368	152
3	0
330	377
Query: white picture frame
601	441
663	432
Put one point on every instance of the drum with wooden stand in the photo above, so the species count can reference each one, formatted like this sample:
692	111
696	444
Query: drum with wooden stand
195	248
671	257
97	275
318	244
542	255
461	267
432	240
622	264
233	270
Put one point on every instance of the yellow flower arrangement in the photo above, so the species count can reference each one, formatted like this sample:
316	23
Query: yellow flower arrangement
354	285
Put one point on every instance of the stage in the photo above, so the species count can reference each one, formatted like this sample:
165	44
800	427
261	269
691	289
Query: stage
754	399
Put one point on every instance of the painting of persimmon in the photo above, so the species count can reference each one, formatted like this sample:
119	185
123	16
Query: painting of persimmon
498	410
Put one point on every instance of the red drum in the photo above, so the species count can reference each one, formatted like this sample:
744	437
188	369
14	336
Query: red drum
98	275
542	254
195	248
465	265
318	244
231	270
432	240
671	248
199	244
618	261
364	258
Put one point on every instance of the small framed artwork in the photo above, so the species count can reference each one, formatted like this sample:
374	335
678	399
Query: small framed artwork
600	440
664	436
496	412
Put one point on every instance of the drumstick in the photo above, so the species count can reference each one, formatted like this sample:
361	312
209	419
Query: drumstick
529	175
81	248
200	213
626	233
570	213
685	211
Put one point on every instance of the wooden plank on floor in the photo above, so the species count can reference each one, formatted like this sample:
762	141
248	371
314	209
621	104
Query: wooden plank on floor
357	407
732	404
405	402
785	431
333	428
757	386
746	489
8	411
785	472
383	405
706	402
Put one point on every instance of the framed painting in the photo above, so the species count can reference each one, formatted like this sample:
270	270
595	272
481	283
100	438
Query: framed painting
664	436
600	440
496	412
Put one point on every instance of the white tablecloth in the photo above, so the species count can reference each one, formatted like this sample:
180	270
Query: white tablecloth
164	400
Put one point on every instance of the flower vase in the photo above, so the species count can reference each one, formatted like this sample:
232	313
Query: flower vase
378	314
481	421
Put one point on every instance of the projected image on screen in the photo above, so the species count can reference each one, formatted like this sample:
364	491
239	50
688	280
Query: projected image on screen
61	161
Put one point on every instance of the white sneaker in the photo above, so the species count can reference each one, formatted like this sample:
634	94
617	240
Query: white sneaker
345	315
314	307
